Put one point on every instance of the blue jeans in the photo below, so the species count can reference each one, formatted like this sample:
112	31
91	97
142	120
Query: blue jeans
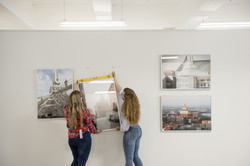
80	149
131	142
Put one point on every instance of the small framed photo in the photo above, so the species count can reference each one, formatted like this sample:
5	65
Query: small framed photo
185	113
185	72
99	96
53	89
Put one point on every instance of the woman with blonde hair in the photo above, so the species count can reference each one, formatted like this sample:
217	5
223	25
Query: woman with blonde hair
80	126
129	118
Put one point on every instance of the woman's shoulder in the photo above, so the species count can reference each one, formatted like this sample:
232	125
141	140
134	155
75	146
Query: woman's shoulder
86	110
65	107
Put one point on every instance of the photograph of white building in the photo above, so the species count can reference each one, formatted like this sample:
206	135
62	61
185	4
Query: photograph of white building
186	113
53	89
185	72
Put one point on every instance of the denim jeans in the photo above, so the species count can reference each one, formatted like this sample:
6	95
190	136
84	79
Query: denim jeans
80	149
131	142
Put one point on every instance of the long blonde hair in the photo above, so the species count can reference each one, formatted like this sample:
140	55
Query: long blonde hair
131	106
75	108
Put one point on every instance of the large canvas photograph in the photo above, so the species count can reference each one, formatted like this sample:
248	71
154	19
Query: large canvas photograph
53	89
179	72
179	113
99	96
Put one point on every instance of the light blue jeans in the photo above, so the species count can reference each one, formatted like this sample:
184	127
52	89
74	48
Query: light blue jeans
131	142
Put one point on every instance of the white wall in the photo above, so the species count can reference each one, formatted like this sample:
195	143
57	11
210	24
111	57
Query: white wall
135	56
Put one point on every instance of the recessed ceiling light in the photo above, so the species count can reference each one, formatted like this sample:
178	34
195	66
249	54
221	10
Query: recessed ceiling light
93	24
224	25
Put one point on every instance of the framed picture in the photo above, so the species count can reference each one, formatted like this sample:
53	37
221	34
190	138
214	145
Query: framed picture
99	96
53	89
180	113
179	72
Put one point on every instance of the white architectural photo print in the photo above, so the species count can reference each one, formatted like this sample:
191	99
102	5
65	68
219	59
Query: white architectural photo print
185	113
185	72
53	89
99	96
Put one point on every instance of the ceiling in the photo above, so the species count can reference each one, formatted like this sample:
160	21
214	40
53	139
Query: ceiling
138	14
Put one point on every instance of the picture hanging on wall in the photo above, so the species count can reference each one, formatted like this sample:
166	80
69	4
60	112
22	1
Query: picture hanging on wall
53	89
99	96
180	113
179	72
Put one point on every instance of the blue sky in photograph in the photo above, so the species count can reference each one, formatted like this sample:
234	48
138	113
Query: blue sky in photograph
178	101
44	79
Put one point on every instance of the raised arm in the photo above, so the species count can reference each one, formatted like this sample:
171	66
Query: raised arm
182	64
117	86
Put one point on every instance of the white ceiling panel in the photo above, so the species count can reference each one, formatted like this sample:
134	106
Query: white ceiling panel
138	14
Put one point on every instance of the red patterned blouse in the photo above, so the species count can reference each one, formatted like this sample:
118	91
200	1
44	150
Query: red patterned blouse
87	124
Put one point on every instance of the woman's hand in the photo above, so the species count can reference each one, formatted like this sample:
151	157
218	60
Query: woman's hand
117	128
113	73
98	131
118	87
76	86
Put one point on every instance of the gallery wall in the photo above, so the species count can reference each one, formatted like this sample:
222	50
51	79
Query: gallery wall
135	56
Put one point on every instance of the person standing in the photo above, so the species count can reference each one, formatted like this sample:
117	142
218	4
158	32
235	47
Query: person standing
129	118
170	81
79	124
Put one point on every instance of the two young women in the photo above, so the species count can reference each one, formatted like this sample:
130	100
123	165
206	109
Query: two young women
80	126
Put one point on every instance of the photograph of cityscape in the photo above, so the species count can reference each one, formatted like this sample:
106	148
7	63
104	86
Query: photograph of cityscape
185	72
99	96
185	113
53	89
